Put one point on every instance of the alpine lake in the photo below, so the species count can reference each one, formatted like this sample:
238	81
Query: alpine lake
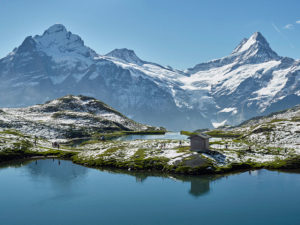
53	191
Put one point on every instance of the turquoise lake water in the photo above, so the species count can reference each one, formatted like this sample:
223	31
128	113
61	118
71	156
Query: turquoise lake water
132	137
166	136
57	192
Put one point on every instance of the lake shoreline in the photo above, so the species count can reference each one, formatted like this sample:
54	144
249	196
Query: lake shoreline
292	165
169	156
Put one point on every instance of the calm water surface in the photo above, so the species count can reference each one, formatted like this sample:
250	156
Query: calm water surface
46	192
166	136
132	137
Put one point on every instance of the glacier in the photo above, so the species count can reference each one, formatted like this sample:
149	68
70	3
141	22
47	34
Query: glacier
252	81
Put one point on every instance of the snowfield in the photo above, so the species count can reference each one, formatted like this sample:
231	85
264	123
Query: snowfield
253	80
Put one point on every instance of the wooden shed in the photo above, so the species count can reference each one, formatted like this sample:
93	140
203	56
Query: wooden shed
199	142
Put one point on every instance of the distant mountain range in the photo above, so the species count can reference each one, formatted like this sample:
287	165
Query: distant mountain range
252	81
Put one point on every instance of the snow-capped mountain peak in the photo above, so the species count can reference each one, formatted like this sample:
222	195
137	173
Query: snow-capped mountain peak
255	41
246	43
55	29
126	55
251	81
256	46
62	45
58	35
254	50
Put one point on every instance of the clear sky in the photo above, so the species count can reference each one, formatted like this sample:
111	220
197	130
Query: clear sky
179	33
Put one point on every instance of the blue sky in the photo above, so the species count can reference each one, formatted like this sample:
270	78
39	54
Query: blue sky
179	33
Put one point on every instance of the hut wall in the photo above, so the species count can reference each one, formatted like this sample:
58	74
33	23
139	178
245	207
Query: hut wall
207	144
200	145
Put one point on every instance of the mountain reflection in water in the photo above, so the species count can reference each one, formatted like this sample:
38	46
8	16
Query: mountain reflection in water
59	192
59	171
63	173
199	185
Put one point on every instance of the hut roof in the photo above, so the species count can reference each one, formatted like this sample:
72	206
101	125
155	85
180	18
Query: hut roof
202	135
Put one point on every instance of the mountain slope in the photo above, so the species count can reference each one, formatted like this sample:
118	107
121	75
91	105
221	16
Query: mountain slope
69	116
58	63
280	129
253	80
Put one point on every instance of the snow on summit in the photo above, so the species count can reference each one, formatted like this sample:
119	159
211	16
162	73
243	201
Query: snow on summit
125	54
253	80
256	39
63	46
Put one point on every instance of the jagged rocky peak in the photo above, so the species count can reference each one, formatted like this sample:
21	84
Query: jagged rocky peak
255	44
58	35
55	29
28	45
126	55
57	41
254	50
257	39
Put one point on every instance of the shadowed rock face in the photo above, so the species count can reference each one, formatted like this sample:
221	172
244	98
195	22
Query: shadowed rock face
57	63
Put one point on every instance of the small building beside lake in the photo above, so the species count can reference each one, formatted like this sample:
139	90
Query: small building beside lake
200	142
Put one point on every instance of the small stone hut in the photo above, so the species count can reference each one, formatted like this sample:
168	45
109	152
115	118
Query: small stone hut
200	142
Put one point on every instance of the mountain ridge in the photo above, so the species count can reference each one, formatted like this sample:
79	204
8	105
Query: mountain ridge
253	80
